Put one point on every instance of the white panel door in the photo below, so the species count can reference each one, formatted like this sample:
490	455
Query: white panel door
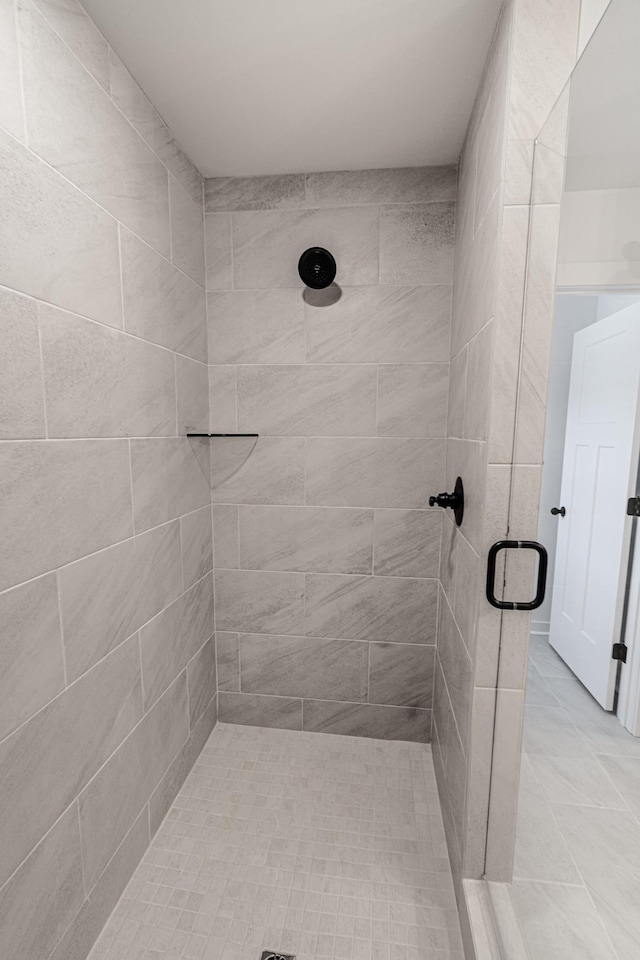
596	481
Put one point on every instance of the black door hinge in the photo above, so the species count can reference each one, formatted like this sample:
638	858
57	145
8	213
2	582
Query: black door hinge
633	507
619	652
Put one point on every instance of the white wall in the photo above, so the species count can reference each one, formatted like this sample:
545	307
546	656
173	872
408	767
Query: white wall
600	238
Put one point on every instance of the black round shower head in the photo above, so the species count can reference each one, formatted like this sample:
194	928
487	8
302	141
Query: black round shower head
317	268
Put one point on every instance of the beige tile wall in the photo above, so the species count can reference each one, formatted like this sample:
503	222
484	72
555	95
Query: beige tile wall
327	553
481	663
107	686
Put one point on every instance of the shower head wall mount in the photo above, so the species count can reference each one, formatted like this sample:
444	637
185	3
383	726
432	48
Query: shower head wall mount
454	501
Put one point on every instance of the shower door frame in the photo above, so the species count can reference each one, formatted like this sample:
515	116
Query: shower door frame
540	286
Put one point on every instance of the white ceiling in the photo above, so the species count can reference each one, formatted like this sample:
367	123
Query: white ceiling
287	86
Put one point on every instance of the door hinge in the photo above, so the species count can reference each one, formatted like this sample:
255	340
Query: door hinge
633	507
619	652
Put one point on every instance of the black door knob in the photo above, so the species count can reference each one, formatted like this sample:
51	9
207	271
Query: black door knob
558	510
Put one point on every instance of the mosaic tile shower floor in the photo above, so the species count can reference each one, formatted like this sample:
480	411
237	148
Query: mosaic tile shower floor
318	845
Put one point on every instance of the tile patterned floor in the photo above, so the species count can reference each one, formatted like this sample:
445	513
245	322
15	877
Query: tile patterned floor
318	845
576	890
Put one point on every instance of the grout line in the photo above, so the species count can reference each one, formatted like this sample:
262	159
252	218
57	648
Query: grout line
61	620
23	101
145	710
353	703
101	323
165	523
107	91
235	393
42	376
61	176
175	389
121	272
109	546
133	515
232	252
83	870
182	545
169	175
104	657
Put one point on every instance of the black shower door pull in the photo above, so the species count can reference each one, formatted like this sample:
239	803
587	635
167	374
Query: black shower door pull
542	574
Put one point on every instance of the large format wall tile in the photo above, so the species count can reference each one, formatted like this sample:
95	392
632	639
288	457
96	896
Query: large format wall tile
112	801
269	470
141	113
170	477
254	193
407	543
197	545
298	667
401	674
367	720
373	473
73	125
267	245
21	393
258	602
77	362
86	505
171	639
75	733
223	407
32	660
218	256
47	225
311	400
308	539
192	388
398	185
40	901
416	243
226	535
256	326
75	27
100	382
171	782
412	399
457	668
388	609
106	597
161	304
202	679
259	711
228	661
87	924
373	324
11	114
187	232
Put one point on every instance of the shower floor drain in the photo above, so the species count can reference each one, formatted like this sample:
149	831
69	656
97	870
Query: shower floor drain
273	955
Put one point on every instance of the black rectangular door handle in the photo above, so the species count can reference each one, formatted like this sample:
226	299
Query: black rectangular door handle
542	574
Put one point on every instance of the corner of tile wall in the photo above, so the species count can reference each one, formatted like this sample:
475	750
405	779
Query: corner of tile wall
107	539
327	553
